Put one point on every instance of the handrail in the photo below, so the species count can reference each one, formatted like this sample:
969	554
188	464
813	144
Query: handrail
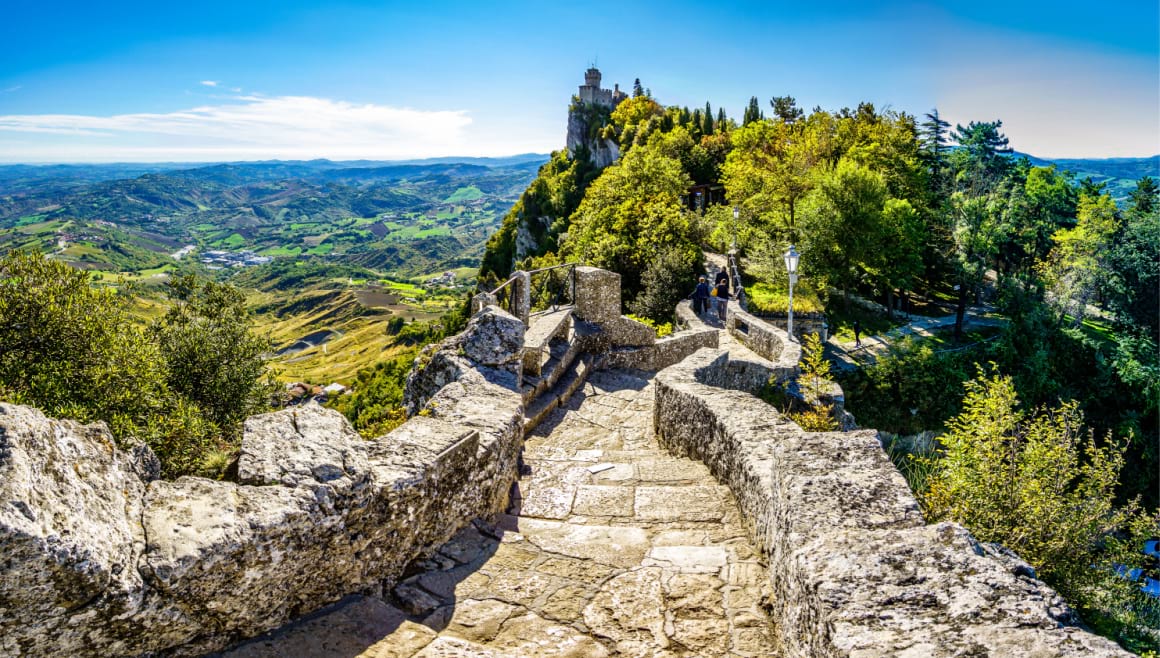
544	289
553	267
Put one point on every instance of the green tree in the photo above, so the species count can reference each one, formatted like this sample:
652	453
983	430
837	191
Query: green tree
637	90
1144	197
982	160
785	109
70	349
934	142
770	170
1079	263
631	211
1040	485
211	355
707	120
752	112
667	279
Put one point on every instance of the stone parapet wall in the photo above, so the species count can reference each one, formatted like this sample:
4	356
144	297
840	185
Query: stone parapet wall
853	568
664	352
763	338
97	560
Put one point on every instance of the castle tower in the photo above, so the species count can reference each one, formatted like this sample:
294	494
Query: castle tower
592	77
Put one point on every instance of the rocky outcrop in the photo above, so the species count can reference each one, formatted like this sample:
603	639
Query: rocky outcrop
70	535
853	568
602	152
493	339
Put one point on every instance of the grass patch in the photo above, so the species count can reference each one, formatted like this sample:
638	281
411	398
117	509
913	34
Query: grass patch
282	251
767	298
469	193
234	241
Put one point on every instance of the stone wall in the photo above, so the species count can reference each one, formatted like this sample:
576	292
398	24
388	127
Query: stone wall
664	352
98	560
763	338
853	568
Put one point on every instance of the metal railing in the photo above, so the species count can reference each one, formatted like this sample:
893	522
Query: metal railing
735	278
549	288
553	287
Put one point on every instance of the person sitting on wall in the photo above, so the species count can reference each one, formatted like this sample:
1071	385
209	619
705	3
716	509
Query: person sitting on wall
700	295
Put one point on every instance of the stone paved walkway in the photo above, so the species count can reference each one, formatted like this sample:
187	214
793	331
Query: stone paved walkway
612	548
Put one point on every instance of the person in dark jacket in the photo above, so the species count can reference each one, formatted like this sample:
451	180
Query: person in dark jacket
700	296
722	297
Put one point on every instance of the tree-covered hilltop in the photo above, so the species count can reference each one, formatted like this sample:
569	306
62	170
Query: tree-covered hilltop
896	216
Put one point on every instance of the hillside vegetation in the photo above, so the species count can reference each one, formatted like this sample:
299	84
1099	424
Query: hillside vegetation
916	215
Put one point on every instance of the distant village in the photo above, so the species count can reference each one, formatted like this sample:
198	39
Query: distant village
219	259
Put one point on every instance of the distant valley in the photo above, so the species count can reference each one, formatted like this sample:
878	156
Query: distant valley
328	252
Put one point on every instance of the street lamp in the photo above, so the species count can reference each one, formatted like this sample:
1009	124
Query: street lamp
791	264
736	215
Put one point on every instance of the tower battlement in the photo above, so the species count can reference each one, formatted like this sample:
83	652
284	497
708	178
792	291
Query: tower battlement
590	91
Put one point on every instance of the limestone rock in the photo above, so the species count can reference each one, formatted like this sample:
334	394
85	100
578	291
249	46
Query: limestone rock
308	446
70	534
493	338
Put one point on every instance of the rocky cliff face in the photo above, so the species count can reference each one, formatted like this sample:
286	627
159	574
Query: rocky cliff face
583	130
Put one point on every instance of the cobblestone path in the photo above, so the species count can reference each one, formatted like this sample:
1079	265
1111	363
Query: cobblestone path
612	548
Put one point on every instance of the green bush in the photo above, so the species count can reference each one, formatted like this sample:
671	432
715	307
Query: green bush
1039	484
183	387
211	356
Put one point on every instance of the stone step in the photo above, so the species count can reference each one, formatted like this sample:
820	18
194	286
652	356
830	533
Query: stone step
542	328
563	353
571	379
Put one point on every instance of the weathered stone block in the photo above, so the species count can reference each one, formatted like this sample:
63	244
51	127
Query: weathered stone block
70	536
597	295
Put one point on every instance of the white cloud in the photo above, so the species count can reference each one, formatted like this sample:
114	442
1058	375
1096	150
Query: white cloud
210	83
254	127
11	89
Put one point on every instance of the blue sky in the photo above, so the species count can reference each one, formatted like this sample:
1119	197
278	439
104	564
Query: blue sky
217	80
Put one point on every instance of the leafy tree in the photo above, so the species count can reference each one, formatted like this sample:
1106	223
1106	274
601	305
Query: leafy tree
1134	274
70	349
1079	262
770	170
978	230
707	120
211	356
637	90
667	279
722	121
785	109
631	211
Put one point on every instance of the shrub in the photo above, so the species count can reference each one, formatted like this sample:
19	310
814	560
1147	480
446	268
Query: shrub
1041	485
667	280
211	356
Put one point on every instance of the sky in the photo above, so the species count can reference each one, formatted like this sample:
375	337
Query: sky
219	80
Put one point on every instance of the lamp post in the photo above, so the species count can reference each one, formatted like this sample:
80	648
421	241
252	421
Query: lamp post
791	264
736	216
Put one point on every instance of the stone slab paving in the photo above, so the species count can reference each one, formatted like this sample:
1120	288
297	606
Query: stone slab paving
612	547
